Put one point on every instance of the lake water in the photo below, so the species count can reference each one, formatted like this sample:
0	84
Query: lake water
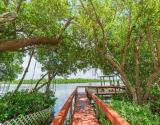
62	91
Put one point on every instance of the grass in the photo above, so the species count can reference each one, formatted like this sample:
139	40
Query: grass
59	81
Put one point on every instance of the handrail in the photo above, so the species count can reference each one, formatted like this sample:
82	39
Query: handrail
116	87
113	116
61	116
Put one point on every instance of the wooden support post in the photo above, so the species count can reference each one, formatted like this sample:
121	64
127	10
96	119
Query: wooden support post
113	81
71	111
101	80
110	81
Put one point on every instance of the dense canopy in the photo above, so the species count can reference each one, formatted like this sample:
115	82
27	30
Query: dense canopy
114	36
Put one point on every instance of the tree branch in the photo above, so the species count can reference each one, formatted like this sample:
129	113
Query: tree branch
150	45
101	26
137	69
64	27
19	5
39	81
14	45
7	16
128	40
158	45
153	77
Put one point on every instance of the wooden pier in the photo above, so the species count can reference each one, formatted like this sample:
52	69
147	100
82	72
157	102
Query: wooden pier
78	110
84	113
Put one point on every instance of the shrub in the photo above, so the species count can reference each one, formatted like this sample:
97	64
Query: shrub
22	103
135	114
121	96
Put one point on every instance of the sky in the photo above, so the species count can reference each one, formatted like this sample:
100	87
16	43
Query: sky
80	74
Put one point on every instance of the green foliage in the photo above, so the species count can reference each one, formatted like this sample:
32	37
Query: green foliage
121	96
102	118
135	114
155	99
127	25
31	21
155	90
10	65
103	121
43	22
22	103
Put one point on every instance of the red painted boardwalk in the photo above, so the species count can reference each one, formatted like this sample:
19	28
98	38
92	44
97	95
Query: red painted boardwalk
83	112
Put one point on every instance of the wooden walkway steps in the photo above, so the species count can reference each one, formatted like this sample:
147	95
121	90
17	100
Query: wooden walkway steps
83	112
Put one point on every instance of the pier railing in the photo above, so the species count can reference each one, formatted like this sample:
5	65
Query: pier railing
109	113
61	117
68	108
106	90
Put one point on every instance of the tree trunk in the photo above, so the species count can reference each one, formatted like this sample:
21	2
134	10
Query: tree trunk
39	81
138	95
154	76
25	72
151	80
50	77
40	87
119	69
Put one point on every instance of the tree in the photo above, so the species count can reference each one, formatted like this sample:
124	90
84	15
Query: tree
24	24
125	34
30	21
60	61
10	65
25	72
121	36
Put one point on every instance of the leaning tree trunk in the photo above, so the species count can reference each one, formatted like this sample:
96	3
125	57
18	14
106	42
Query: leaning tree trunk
50	77
39	81
39	87
25	72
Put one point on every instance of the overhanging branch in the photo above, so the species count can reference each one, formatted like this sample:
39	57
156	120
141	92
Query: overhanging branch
16	44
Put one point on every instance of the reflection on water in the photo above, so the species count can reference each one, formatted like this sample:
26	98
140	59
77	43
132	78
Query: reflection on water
62	91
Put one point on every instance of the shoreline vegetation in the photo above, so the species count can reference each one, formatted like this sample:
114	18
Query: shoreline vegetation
57	81
14	104
135	114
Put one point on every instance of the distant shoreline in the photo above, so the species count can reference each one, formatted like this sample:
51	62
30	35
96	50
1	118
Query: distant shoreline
57	81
